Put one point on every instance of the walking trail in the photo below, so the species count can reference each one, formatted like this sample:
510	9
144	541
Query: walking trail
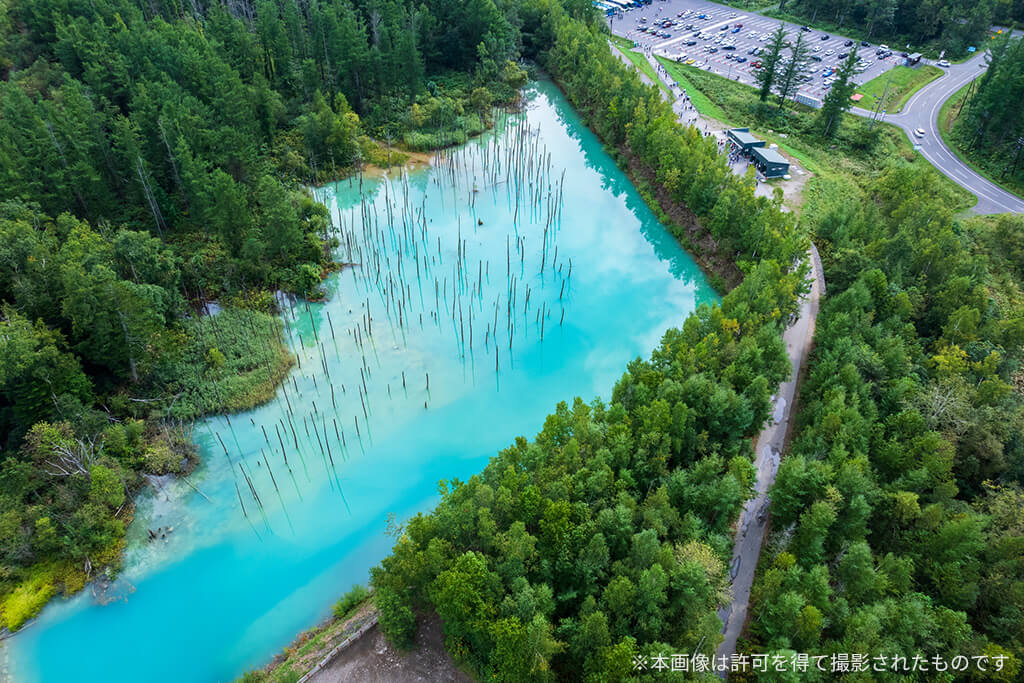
750	529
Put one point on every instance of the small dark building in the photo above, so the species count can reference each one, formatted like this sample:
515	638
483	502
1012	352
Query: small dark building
742	138
769	162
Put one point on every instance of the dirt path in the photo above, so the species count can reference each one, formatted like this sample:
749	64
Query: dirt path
768	448
792	189
372	659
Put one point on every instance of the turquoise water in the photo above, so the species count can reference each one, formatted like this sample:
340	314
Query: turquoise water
227	589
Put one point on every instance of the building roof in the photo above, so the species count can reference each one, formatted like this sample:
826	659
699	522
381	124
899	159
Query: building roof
743	136
914	56
769	156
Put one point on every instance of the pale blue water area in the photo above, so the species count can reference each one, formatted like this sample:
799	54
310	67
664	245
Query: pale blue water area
225	591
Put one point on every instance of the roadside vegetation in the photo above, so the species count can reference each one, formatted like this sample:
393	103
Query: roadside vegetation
897	85
982	122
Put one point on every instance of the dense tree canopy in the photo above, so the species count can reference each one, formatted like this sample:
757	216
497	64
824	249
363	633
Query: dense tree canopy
156	154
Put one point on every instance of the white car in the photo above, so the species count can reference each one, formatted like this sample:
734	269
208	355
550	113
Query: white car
943	62
829	53
816	48
919	132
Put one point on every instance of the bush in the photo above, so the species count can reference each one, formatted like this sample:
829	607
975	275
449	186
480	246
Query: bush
355	597
395	618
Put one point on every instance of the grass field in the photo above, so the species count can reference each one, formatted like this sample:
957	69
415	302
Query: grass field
903	82
851	159
703	105
639	61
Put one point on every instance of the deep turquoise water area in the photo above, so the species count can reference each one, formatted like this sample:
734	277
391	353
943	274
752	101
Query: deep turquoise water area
227	589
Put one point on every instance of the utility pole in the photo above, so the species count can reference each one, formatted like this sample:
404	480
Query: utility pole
1016	157
881	102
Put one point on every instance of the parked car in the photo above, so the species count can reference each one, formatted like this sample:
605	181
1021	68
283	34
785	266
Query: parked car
739	25
805	28
728	47
691	60
829	53
825	36
712	49
848	43
756	65
690	43
816	58
740	59
736	30
843	55
865	43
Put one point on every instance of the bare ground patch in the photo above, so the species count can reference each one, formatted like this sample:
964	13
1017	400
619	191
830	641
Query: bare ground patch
372	659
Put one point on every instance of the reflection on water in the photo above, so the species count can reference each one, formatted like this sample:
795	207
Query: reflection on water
527	249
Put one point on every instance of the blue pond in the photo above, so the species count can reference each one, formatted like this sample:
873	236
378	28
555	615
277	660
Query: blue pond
449	275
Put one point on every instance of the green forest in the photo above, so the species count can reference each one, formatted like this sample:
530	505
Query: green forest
988	128
155	157
897	517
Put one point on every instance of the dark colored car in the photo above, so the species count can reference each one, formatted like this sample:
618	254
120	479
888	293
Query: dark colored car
724	28
728	47
712	49
690	42
848	43
816	58
843	55
740	60
826	37
864	43
730	56
739	25
805	28
756	65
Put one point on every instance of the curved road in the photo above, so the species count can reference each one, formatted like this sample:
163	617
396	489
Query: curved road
922	111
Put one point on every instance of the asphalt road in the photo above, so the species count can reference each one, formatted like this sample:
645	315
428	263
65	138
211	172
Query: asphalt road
922	111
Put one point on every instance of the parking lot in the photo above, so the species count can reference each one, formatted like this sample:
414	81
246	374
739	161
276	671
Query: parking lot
728	38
